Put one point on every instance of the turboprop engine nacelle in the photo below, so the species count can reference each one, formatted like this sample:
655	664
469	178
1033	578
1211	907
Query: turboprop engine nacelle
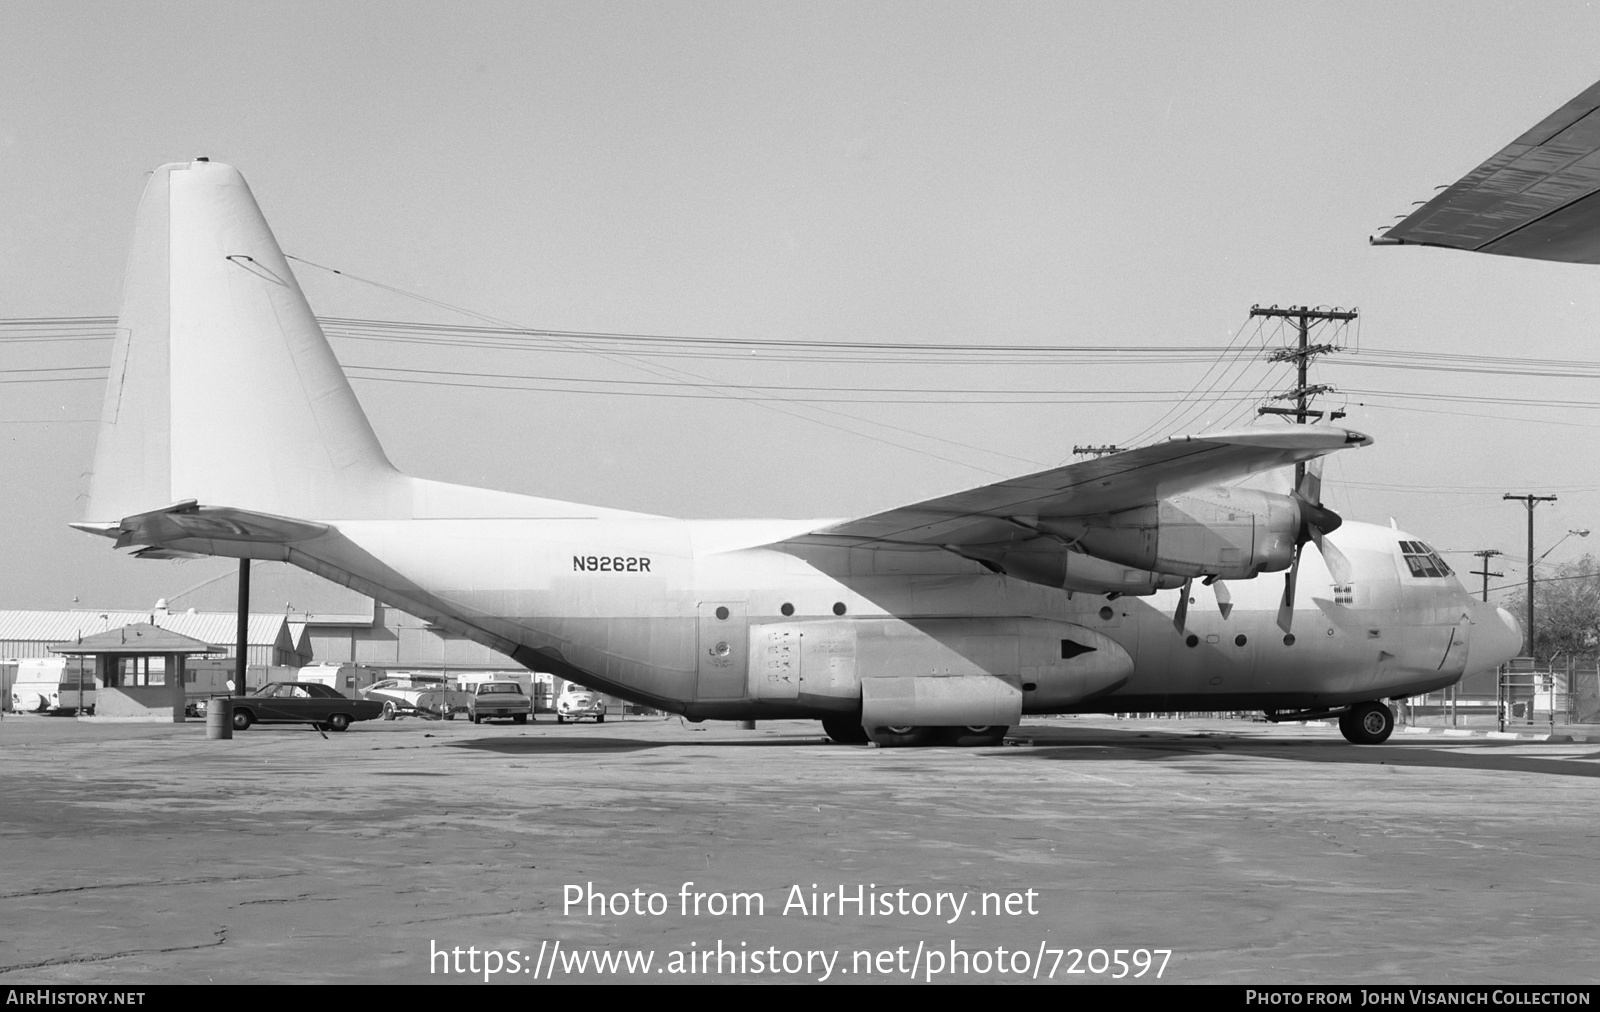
1234	533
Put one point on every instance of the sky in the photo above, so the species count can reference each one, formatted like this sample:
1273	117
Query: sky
932	173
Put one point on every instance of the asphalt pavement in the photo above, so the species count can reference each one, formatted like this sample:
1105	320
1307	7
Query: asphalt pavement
1085	850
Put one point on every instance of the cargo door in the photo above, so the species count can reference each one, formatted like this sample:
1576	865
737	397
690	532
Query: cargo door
724	651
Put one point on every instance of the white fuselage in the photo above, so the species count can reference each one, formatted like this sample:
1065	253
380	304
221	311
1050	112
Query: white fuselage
697	618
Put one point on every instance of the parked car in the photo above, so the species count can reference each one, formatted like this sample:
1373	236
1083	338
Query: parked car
417	696
499	700
576	704
302	703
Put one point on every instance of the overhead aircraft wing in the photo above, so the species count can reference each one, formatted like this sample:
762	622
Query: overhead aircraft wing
1538	198
1108	484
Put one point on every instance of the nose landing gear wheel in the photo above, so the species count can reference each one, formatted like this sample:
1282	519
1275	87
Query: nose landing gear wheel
1368	723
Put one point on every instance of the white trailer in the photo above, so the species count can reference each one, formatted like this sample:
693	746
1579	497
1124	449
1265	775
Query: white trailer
349	679
54	685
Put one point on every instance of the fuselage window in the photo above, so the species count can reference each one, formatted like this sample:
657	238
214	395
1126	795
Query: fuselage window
1423	561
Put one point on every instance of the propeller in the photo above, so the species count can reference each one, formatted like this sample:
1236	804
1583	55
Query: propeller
1316	521
1224	598
1220	589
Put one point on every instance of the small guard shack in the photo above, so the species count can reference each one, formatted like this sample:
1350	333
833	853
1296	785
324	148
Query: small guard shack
139	670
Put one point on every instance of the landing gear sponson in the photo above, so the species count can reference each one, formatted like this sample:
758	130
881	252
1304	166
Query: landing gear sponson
1367	723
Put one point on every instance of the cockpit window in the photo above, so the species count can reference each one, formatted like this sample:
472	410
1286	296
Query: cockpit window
1422	560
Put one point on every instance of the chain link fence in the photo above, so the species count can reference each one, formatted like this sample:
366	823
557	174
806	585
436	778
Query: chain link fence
1521	696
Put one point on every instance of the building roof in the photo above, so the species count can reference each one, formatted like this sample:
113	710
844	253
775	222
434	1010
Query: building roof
214	628
139	638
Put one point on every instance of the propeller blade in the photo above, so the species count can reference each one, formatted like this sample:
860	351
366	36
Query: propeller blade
1181	616
1338	565
1311	484
1224	597
1286	606
1316	522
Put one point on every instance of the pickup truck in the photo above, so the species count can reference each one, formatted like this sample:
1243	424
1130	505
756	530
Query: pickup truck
499	700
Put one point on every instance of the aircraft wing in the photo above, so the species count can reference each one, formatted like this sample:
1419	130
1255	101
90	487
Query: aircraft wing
1108	484
1538	198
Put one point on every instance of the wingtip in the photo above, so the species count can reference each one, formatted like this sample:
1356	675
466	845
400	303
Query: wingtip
104	530
1301	437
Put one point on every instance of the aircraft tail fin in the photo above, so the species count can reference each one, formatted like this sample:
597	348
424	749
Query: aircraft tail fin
223	388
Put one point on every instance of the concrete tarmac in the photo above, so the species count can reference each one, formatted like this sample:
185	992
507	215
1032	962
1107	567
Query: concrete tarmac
140	854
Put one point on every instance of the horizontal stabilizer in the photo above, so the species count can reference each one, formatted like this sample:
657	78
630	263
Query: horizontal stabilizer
188	530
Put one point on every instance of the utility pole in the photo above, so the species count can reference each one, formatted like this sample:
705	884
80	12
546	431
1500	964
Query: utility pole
1301	355
1485	555
241	660
1529	501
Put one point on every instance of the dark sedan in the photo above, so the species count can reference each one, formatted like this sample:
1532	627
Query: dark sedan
302	703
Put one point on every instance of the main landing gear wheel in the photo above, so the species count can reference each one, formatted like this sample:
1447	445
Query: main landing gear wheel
975	736
846	730
1368	723
902	735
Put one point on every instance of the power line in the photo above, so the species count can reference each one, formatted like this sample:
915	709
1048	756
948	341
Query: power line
74	328
1155	426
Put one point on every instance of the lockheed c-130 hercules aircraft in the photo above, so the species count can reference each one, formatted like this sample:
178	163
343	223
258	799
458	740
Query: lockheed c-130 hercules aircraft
1124	583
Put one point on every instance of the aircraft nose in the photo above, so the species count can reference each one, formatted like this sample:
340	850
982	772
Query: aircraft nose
1496	638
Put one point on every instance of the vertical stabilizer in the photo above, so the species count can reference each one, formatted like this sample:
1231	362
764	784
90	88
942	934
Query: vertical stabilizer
222	387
